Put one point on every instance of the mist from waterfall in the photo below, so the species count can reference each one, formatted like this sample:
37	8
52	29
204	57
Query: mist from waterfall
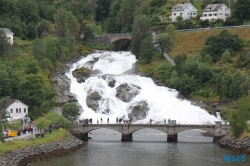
162	101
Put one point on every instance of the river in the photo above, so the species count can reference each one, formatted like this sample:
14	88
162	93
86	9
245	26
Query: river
149	146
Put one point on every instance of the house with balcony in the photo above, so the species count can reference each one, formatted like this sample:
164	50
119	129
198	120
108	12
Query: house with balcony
9	34
186	10
16	108
213	12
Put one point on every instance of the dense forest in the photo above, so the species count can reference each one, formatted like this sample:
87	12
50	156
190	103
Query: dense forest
48	32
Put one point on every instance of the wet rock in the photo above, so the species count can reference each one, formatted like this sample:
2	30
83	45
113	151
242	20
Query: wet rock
126	92
93	100
81	74
109	78
96	71
139	110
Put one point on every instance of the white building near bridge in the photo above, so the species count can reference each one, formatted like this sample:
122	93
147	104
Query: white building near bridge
16	108
186	10
215	11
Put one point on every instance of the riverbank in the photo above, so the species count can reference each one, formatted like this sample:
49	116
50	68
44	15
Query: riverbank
34	153
241	146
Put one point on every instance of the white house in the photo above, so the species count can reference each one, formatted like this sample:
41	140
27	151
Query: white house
186	10
215	11
9	34
16	108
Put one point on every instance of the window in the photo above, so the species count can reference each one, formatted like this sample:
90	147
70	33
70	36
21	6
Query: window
220	14
17	110
194	13
11	110
24	110
174	14
205	15
226	14
181	14
210	15
215	14
188	13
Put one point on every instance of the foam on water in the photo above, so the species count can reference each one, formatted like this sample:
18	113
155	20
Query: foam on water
162	101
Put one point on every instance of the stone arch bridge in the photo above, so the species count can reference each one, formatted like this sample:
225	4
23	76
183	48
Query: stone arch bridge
110	38
218	130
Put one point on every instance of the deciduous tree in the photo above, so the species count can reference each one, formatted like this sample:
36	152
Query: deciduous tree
70	110
164	43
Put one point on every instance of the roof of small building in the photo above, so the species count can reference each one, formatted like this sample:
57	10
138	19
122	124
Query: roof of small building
213	7
181	7
7	31
11	101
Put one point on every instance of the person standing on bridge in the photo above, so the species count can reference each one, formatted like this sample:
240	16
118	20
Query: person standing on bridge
101	120
108	121
150	121
117	120
164	121
97	121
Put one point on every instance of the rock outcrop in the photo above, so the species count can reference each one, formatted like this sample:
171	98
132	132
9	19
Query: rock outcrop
242	146
92	100
126	92
139	110
61	83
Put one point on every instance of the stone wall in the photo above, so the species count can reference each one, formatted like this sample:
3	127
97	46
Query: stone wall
40	152
242	146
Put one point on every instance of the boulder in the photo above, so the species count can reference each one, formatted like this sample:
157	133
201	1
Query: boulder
93	100
126	92
139	110
81	74
109	78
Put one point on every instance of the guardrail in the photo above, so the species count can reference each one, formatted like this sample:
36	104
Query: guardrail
114	34
213	28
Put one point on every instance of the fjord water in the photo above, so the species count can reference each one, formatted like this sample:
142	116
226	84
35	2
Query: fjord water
149	146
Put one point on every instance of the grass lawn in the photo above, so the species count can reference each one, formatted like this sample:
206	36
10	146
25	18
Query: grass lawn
22	143
191	43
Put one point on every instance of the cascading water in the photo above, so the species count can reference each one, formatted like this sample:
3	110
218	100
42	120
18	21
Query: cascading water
160	102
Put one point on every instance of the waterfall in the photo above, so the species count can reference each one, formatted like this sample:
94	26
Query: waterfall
157	102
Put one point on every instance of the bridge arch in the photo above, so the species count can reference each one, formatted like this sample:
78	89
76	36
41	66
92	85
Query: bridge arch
101	127
140	127
114	39
210	130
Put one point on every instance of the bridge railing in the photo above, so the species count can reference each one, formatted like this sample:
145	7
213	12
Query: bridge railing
163	123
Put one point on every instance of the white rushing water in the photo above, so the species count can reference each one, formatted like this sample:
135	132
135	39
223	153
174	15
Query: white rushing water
162	101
